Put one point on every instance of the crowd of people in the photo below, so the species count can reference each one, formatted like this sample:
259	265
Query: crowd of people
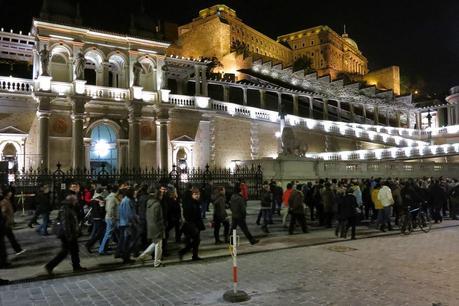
134	222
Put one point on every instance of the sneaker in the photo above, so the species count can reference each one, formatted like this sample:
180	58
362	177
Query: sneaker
21	252
158	265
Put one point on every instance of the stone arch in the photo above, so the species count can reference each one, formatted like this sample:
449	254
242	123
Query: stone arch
148	77
60	63
19	163
120	133
93	72
117	69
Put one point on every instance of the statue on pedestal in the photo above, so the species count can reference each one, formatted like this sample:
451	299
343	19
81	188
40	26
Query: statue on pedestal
80	63
44	61
293	145
138	69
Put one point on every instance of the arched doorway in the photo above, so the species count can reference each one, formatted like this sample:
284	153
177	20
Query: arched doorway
103	152
9	154
182	159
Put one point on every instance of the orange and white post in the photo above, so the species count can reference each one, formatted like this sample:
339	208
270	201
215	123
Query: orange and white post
233	247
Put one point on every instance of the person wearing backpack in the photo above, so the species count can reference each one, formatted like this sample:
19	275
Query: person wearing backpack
67	230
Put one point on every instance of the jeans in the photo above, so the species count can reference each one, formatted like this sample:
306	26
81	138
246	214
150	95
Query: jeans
284	214
124	249
217	224
98	230
43	228
108	234
9	234
156	246
301	218
68	246
265	214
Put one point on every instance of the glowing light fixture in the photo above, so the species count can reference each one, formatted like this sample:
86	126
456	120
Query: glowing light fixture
102	148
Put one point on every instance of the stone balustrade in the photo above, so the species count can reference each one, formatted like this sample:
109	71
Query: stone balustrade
182	100
16	85
106	92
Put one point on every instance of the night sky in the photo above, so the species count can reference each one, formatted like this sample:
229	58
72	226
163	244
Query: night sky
421	38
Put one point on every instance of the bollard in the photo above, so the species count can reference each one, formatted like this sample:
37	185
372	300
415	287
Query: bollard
235	295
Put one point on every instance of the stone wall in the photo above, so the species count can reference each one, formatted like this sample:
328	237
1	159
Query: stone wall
388	78
147	154
60	150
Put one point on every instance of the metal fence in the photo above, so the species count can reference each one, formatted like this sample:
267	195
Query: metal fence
27	184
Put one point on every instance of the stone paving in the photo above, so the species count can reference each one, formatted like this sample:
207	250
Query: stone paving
420	269
29	266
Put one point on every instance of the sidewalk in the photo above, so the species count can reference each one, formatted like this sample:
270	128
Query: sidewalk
29	266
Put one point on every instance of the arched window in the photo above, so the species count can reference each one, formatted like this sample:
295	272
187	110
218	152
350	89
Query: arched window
103	152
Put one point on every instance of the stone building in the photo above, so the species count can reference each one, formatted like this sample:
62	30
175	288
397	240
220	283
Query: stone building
96	98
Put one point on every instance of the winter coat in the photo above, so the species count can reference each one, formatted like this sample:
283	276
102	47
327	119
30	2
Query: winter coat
8	212
98	211
295	203
385	196
111	207
374	198
155	220
328	200
220	207
266	199
126	212
192	214
43	203
69	220
174	211
437	196
142	206
237	206
347	208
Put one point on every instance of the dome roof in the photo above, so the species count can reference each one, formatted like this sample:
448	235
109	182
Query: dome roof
350	41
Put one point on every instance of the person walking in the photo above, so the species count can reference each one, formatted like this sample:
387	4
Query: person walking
98	221
220	215
155	226
379	208
174	214
386	199
297	212
265	208
239	213
193	224
8	214
127	226
328	197
3	254
112	202
285	209
67	232
44	208
347	214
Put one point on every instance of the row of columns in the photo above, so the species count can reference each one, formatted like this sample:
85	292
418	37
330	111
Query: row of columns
452	111
80	151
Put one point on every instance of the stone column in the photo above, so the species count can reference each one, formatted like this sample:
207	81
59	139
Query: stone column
325	109
135	109
262	98
311	107
456	106
364	113
449	113
295	105
122	155
408	119
279	102
43	138
77	133
351	110
397	118
87	153
244	95
376	114
105	72
338	110
225	93
204	81
162	139
387	117
197	84
418	120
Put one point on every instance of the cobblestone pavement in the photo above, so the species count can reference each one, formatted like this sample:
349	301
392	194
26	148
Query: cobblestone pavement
29	266
420	269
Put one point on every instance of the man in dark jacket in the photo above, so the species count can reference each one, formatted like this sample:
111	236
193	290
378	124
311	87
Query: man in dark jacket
220	215
239	213
68	233
44	208
193	224
3	254
265	208
347	214
297	211
98	221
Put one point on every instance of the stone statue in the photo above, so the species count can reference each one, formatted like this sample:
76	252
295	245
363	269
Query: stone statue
293	145
138	69
79	63
44	61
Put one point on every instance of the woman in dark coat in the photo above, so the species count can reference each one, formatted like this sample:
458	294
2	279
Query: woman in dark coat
220	215
347	214
193	224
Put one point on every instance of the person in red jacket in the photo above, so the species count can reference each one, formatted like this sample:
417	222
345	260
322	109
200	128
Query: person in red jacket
285	199
244	190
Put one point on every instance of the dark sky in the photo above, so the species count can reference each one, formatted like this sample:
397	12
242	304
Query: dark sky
422	37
